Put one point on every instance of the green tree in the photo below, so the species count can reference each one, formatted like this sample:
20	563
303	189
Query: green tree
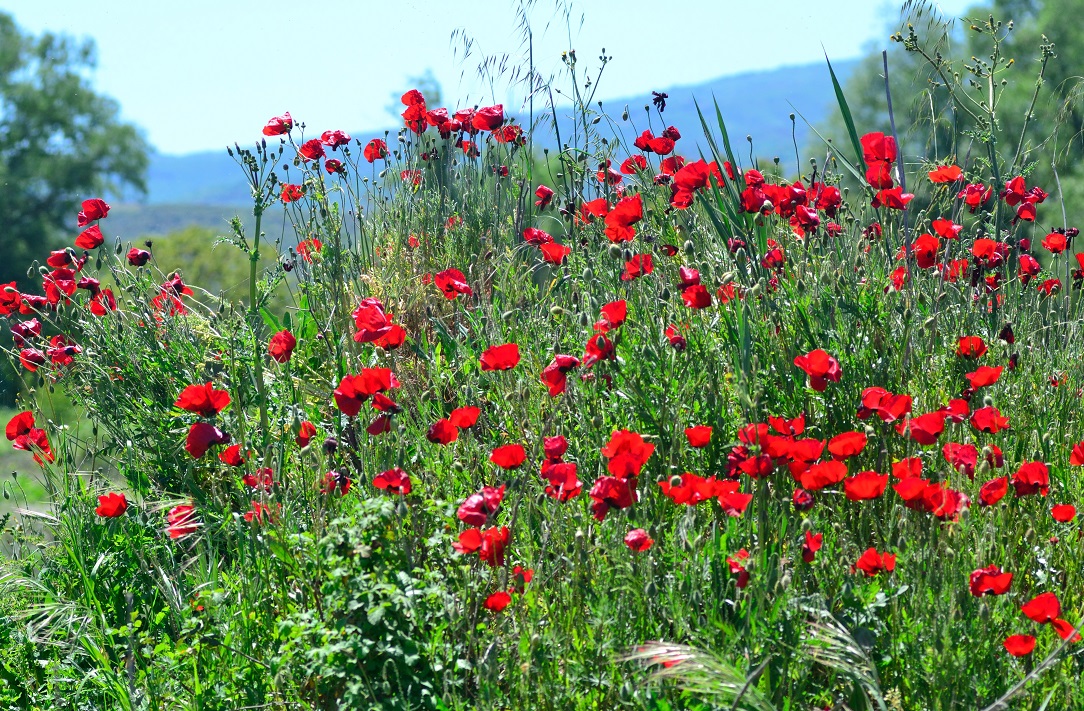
60	143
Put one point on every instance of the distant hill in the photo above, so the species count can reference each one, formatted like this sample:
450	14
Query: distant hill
208	188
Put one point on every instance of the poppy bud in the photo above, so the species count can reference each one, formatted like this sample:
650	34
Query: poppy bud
987	401
457	466
689	247
596	421
626	255
982	469
650	590
665	295
584	320
556	311
675	480
740	255
330	445
588	275
615	252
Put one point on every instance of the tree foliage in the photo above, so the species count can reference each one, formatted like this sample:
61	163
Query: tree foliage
60	142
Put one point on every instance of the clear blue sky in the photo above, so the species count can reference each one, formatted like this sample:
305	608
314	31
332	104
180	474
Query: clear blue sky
201	74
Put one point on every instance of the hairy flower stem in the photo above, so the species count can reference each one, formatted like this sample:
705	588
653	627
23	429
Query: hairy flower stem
254	315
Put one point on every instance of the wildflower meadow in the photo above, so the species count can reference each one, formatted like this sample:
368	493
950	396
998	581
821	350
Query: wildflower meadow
569	408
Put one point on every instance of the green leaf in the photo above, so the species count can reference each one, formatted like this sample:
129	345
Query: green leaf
847	119
270	320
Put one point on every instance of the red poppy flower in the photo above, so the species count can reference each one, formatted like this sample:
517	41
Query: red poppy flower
638	540
181	521
138	257
90	238
871	563
865	485
812	544
231	456
509	456
598	348
311	150
111	505
696	297
640	265
263	479
563	483
464	417
1031	478
1042	608
611	492
802	500
201	436
993	491
847	444
555	376
394	481
822	475
488	118
502	357
292	192
946	229
282	346
892	198
375	150
203	400
974	195
737	567
925	429
627	453
1066	630
19	425
1063	513
537	237
989	419
990	581
497	601
93	209
279	125
984	375
479	508
820	367
732	501
970	347
442	432
1019	645
698	436
452	283
353	390
946	174
544	195
627	212
554	253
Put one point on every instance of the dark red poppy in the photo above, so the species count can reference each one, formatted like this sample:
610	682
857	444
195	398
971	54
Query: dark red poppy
93	209
204	400
111	505
452	283
354	390
464	417
865	485
555	376
1031	478
479	508
544	195
991	580
442	432
1042	608
262	479
502	357
394	481
946	174
336	481
698	436
1063	513
993	491
812	544
619	221
305	433
736	563
871	562
1019	645
138	257
231	456
497	601
611	492
281	346
201	436
638	540
989	419
279	125
820	367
